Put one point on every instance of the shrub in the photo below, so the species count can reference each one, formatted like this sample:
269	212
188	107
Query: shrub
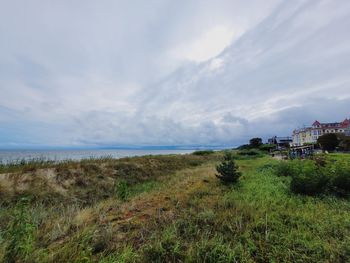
227	169
132	172
251	152
310	179
287	168
267	147
320	160
90	168
204	152
328	141
341	178
344	142
255	142
244	147
317	176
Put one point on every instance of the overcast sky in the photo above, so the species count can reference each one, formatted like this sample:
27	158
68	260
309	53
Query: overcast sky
165	72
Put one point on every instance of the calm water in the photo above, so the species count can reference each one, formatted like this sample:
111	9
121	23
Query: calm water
60	155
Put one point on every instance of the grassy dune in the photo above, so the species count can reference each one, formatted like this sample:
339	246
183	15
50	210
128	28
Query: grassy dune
165	209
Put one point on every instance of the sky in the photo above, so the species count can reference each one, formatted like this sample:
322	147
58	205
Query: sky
162	72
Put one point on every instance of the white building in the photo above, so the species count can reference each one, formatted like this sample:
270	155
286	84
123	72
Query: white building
311	134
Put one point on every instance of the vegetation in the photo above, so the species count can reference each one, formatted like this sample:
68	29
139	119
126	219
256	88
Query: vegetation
227	169
255	146
122	190
267	147
328	142
251	153
173	209
255	142
344	142
321	175
340	177
203	152
310	179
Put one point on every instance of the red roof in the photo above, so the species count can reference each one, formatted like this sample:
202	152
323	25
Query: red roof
316	123
345	123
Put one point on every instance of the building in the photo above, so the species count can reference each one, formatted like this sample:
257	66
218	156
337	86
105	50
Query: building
347	131
310	134
280	142
302	136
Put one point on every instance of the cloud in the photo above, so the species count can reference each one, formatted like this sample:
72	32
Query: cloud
206	46
165	72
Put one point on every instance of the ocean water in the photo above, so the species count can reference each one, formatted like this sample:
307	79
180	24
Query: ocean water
8	156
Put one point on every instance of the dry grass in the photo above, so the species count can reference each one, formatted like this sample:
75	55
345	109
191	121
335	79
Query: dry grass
177	211
88	182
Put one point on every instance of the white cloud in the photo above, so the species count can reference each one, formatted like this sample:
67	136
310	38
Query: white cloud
109	73
208	45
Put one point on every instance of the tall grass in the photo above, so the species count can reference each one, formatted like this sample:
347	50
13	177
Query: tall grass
19	236
318	176
32	164
173	209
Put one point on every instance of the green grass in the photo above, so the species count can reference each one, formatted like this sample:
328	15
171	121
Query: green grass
173	209
339	156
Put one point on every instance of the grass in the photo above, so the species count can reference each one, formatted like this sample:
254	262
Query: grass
170	209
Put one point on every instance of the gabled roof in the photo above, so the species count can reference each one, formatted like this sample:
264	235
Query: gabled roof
345	123
330	125
342	124
316	122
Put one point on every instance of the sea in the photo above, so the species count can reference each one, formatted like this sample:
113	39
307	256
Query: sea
13	156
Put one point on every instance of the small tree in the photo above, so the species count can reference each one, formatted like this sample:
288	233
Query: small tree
328	141
227	169
255	142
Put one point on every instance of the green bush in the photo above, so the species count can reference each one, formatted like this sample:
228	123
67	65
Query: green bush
328	141
310	179
267	147
320	160
251	152
227	169
344	142
287	168
255	142
340	182
244	147
203	152
317	176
